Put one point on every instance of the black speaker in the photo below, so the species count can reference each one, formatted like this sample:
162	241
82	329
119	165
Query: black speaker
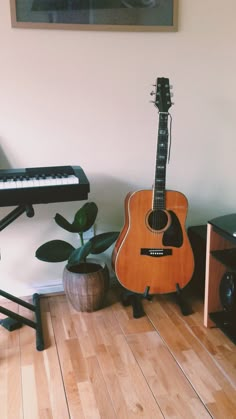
227	291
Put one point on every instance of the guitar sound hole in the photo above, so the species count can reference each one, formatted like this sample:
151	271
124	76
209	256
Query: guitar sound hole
158	220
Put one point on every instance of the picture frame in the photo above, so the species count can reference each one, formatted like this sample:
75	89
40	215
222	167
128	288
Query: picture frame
113	15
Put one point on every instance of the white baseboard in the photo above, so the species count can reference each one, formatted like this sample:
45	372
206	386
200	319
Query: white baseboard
53	288
50	289
24	291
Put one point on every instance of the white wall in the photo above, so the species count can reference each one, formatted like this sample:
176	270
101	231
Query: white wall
71	97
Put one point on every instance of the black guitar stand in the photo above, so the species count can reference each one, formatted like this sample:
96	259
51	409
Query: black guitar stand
134	299
186	310
15	321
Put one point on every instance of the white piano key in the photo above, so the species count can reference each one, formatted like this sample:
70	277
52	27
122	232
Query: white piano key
25	183
35	182
29	183
58	181
7	184
18	184
10	184
41	182
73	179
48	181
64	181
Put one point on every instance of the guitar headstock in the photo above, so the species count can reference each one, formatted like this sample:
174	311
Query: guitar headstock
162	95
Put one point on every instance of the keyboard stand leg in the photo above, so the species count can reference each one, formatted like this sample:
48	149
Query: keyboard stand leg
14	321
14	214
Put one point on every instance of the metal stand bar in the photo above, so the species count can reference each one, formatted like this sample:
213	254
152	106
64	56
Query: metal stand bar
14	320
13	215
17	300
16	316
39	328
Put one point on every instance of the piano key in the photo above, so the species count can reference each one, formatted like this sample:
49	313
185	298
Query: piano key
64	181
42	185
27	183
10	184
48	181
35	182
38	181
72	180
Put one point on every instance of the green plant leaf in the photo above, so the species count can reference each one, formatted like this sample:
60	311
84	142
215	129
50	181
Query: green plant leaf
54	251
103	241
79	255
85	217
62	222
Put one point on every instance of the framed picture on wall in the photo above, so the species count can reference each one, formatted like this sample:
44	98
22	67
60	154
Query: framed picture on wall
130	15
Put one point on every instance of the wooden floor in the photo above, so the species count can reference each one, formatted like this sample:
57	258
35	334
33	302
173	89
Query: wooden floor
109	365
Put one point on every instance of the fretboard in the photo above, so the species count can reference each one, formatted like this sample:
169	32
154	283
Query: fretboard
161	158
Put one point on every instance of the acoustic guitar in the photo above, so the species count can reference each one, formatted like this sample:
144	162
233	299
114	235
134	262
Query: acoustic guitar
153	251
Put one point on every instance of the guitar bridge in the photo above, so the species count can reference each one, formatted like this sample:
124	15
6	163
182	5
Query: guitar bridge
155	252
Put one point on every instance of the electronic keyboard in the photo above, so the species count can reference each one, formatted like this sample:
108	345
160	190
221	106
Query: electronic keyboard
41	185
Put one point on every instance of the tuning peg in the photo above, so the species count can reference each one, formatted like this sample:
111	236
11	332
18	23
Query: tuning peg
152	93
171	86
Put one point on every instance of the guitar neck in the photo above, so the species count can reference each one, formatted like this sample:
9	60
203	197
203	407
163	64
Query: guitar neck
161	159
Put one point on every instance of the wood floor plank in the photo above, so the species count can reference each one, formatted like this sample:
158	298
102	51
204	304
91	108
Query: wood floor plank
168	383
102	397
42	384
80	384
88	400
199	366
9	340
61	317
215	342
115	363
127	321
10	384
10	370
106	364
129	391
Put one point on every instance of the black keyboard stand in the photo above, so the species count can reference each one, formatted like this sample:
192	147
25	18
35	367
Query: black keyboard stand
14	321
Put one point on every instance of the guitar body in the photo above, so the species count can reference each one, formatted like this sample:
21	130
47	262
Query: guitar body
153	249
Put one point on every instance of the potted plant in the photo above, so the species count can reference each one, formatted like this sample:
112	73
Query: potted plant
85	280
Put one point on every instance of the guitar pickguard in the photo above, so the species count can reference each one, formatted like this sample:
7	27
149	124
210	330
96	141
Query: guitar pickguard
173	236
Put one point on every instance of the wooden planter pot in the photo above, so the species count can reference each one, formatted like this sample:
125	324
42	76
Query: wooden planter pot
86	285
